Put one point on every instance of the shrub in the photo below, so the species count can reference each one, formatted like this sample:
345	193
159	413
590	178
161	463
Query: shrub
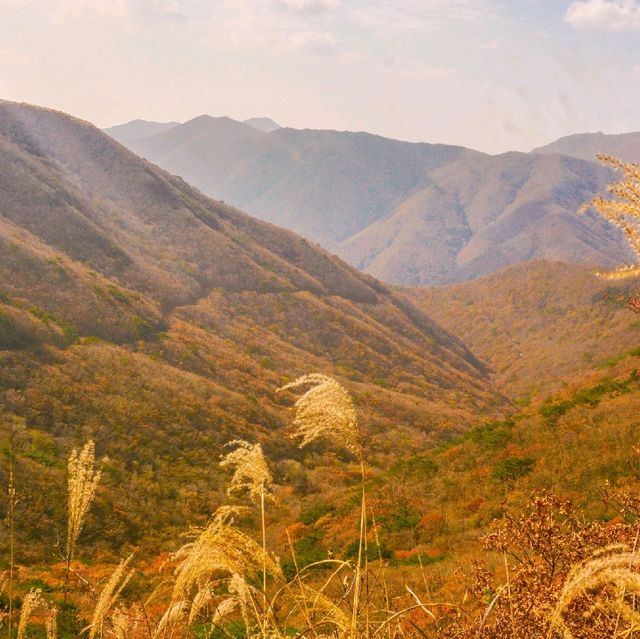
511	468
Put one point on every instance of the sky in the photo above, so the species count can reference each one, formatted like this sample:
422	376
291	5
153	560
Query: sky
494	75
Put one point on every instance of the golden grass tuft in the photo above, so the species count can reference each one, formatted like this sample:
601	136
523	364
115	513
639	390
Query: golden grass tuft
250	472
109	595
621	210
220	550
324	411
51	624
83	480
32	601
172	616
122	624
611	579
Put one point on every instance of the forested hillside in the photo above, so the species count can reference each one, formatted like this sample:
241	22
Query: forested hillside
538	324
140	313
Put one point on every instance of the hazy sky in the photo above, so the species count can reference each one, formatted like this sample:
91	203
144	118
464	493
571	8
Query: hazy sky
489	74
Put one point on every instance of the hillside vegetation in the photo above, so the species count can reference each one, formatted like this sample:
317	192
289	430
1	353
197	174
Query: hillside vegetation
139	312
148	339
538	324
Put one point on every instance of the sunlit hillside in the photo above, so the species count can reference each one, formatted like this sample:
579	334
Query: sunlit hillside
540	324
160	323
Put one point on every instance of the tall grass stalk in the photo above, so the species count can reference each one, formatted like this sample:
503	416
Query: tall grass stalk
298	580
251	473
109	595
82	482
11	515
31	602
362	565
325	411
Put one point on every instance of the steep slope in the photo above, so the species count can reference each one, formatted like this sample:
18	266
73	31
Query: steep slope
485	213
405	213
537	324
586	146
135	310
324	185
137	129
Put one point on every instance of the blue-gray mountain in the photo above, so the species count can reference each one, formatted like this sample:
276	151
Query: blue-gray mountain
586	146
405	213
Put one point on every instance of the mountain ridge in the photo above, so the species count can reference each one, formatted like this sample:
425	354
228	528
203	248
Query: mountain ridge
625	146
129	235
158	322
407	213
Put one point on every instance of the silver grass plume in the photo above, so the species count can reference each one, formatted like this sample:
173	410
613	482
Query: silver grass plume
172	616
250	472
324	411
612	566
203	598
109	595
241	592
218	549
623	211
224	609
122	625
51	624
83	480
31	602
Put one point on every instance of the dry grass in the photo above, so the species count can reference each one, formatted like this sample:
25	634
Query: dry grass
251	471
30	604
109	596
83	480
324	411
556	576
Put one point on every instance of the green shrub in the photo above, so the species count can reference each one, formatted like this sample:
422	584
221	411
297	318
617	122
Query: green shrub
511	468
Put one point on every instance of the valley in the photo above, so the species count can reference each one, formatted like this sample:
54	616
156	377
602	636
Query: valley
137	313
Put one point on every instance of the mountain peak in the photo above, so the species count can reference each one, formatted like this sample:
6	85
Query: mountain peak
587	146
137	129
266	125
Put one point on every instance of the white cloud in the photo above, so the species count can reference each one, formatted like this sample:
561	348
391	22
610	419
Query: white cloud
310	6
122	11
243	25
604	15
313	42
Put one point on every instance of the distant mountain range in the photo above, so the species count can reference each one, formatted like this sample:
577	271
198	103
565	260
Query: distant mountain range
586	146
416	214
138	129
